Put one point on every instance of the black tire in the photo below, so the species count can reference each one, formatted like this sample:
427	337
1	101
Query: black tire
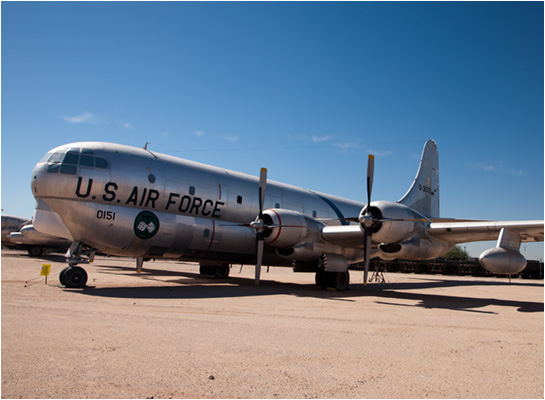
61	275
340	280
321	278
222	271
205	270
74	277
35	251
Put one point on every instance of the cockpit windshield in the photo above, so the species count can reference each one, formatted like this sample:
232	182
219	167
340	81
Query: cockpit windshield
68	161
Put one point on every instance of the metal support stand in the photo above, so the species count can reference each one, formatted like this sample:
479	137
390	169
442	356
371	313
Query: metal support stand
378	275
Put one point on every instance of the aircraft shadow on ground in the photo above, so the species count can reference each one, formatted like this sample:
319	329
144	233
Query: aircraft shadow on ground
203	287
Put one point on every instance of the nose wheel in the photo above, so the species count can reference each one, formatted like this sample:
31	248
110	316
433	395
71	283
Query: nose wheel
73	277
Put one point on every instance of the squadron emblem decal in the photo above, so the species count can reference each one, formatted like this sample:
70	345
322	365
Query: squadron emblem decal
146	225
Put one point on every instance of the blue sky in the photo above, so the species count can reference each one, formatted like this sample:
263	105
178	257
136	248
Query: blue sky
305	89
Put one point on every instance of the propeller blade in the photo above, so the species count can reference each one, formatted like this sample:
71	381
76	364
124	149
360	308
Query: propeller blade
258	225
262	188
259	251
370	173
366	254
367	229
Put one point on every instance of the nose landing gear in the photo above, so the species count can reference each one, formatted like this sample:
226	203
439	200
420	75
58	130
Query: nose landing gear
74	276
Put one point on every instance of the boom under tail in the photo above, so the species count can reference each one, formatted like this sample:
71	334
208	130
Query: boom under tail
423	196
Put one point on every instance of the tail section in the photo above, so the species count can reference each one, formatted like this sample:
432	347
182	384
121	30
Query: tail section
423	196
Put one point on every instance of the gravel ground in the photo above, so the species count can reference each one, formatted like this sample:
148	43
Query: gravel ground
169	333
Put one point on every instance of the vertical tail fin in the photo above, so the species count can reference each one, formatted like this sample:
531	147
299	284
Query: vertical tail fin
423	196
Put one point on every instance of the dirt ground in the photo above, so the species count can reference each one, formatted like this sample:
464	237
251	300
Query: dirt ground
170	333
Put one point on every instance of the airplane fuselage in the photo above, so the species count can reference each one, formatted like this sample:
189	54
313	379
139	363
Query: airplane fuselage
174	208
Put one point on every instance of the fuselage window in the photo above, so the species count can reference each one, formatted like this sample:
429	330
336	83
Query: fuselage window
314	214
239	199
192	190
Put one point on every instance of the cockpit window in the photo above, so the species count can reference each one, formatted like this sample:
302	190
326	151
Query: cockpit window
69	165
56	157
71	158
67	162
53	168
87	161
101	162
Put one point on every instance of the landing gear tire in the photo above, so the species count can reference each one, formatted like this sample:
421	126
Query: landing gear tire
61	275
219	271
73	277
321	278
35	251
204	270
222	271
339	281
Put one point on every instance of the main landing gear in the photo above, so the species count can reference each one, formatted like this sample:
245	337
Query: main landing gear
74	276
336	280
220	271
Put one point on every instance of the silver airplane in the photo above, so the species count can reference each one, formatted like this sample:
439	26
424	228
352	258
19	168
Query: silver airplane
11	224
19	232
128	201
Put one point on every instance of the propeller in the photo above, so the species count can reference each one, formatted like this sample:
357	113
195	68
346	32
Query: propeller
259	225
367	218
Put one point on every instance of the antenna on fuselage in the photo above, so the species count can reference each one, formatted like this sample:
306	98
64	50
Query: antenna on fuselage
146	146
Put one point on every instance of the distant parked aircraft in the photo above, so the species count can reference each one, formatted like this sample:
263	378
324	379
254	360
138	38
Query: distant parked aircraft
20	233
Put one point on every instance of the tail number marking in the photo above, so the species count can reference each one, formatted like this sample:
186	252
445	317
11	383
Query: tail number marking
107	215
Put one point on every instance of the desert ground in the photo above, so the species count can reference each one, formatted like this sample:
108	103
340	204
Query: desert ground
170	333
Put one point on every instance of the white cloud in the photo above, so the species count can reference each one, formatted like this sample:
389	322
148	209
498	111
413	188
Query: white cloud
317	139
384	153
86	117
485	167
127	126
199	133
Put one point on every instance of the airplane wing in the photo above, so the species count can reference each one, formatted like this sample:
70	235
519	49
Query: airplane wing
464	231
453	231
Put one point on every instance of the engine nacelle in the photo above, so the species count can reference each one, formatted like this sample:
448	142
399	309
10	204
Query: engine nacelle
414	249
392	231
300	253
502	261
292	230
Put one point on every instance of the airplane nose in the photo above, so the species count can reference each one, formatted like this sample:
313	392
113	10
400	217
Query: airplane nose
37	178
